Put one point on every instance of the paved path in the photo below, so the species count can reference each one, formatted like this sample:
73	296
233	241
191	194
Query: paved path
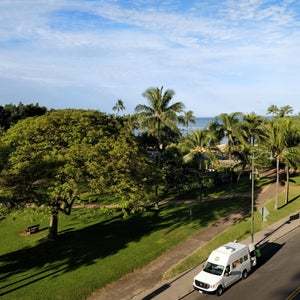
279	276
136	283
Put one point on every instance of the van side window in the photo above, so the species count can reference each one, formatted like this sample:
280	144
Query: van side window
235	264
227	270
245	257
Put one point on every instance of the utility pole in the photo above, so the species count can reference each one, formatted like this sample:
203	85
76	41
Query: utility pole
252	191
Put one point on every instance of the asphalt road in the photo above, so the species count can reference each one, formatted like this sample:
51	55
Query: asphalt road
277	277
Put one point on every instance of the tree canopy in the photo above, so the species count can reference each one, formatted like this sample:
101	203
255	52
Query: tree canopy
53	158
11	114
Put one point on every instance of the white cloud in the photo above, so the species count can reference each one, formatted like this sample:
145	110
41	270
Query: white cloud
247	50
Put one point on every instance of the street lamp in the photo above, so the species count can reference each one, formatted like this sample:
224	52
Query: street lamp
252	190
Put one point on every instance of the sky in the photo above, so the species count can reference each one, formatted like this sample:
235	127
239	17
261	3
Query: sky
217	55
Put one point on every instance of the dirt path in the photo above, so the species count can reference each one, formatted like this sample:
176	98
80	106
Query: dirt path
132	284
268	192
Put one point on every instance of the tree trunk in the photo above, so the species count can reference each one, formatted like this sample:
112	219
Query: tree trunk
200	179
53	226
201	189
156	205
158	165
277	183
287	187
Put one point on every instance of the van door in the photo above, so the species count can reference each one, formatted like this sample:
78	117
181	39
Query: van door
236	272
227	279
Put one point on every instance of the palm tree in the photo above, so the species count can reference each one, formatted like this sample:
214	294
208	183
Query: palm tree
291	153
196	147
280	112
158	117
251	132
119	106
160	113
187	119
230	128
251	127
214	132
282	139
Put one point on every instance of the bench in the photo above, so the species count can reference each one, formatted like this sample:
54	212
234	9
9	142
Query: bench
32	229
295	217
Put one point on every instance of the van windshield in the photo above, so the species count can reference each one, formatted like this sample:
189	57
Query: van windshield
213	269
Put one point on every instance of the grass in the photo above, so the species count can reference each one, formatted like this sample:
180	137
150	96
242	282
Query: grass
93	248
240	230
231	188
88	198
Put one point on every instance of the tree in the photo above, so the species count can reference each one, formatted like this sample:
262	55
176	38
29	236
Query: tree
120	168
282	139
52	160
187	118
11	114
196	147
119	106
215	132
280	112
160	114
159	119
230	128
251	132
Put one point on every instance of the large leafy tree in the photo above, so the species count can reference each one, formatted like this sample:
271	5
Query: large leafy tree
52	159
120	168
11	113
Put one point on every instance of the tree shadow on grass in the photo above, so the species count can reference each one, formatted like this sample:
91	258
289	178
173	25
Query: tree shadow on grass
290	201
202	214
72	250
84	246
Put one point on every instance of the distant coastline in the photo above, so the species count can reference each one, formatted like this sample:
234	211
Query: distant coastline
201	123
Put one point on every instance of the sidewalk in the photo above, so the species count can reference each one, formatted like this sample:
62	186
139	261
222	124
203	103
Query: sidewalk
182	285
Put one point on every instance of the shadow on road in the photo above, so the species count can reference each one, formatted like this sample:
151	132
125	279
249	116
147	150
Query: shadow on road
268	250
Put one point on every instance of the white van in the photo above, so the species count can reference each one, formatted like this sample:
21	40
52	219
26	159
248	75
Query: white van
224	266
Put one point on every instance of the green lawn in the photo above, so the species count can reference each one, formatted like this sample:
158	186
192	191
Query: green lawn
93	249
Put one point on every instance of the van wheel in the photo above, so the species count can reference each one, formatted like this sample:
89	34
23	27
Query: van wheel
220	290
245	274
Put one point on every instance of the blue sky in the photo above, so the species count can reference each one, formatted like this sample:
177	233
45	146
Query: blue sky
218	56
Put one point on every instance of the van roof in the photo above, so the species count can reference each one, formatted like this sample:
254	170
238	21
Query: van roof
221	255
230	248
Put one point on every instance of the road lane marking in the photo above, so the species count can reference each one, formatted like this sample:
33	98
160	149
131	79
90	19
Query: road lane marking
294	293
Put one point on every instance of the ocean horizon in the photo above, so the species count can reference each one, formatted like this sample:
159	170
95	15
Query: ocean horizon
201	123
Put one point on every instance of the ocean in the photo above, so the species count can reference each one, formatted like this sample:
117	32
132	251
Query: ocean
201	123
